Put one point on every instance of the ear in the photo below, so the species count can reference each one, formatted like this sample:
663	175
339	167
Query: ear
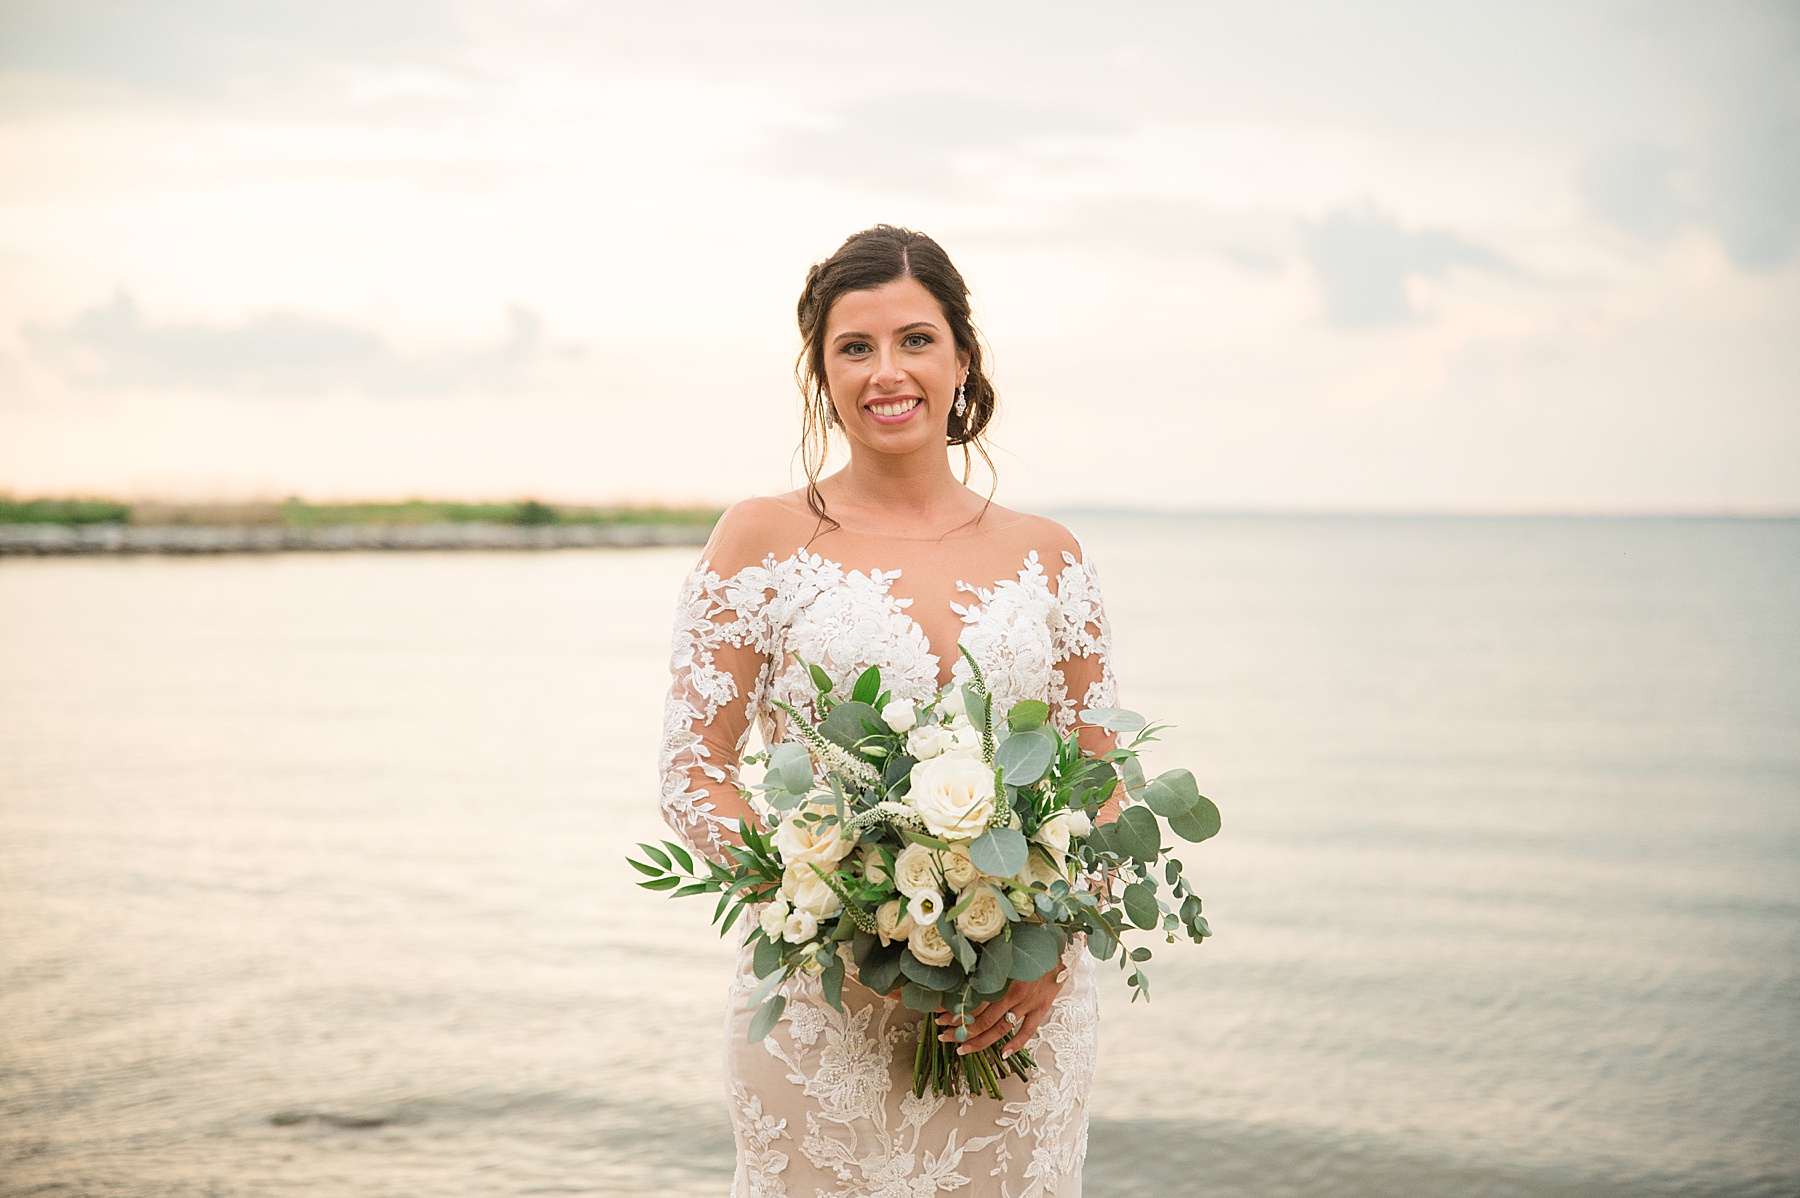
962	364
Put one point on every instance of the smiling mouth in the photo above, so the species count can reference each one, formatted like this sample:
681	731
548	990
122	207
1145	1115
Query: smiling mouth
895	407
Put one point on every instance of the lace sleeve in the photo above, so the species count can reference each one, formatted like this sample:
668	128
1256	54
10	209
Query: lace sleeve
1082	641
719	665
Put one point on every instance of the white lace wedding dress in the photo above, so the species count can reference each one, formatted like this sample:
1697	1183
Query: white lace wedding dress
824	1106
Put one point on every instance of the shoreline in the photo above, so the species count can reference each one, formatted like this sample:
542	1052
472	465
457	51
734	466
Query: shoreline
62	540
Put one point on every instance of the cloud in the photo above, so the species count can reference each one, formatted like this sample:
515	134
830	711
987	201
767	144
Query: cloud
277	354
1363	258
197	46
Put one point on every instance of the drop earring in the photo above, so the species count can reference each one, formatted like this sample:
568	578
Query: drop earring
827	413
962	403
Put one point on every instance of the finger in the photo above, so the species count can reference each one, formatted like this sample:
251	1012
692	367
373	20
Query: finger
980	1021
1027	1029
996	1028
951	1018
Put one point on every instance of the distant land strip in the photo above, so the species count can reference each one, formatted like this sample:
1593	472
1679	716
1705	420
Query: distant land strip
40	527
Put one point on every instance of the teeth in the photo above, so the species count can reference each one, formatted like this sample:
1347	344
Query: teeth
895	408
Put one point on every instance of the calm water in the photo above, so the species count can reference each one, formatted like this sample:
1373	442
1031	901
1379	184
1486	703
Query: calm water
310	874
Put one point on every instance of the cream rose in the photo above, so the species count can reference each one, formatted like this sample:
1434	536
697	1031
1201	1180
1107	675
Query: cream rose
915	870
808	892
959	871
954	793
930	947
892	921
950	706
802	838
984	918
801	926
899	715
1054	832
927	742
874	868
964	739
774	918
1038	870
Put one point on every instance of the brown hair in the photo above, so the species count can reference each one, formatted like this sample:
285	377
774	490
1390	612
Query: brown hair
874	258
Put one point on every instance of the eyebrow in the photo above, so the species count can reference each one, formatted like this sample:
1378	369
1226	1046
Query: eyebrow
917	324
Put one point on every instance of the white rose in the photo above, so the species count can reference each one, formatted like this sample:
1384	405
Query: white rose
984	918
774	918
802	837
874	868
1038	870
900	715
959	871
808	892
915	870
801	927
1079	823
954	793
929	946
950	705
892	922
964	739
928	741
925	907
1054	832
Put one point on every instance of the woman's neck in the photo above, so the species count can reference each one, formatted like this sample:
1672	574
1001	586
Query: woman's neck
914	493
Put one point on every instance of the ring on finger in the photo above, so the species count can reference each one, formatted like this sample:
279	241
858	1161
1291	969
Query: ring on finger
1012	1018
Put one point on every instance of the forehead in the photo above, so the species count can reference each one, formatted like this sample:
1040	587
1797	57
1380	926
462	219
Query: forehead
890	306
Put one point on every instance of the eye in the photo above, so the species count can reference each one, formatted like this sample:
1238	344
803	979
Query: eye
854	349
916	341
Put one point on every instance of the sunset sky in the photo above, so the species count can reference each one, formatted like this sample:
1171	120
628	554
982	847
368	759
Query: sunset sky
1374	256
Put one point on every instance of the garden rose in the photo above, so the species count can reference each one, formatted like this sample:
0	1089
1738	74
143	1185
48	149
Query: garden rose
774	918
892	922
874	868
803	838
927	742
984	918
929	946
959	871
954	793
899	715
808	892
915	870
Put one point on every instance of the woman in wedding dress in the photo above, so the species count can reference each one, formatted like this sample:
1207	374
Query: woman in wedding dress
890	562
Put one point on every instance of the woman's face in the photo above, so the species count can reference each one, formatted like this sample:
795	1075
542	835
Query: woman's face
892	367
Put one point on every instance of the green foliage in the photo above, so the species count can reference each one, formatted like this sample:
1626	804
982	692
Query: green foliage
63	511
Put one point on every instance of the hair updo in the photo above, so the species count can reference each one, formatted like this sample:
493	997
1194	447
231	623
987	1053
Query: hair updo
874	258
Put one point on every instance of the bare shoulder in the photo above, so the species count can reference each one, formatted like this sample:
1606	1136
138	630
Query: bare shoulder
1049	538
752	529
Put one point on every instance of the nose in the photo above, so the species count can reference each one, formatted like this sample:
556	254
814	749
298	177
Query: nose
887	371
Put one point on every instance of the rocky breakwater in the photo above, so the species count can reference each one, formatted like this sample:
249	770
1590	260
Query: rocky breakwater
59	539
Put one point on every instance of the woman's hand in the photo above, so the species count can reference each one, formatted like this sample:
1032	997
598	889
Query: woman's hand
1027	1003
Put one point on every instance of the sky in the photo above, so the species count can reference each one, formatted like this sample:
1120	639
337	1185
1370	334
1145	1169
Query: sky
1475	257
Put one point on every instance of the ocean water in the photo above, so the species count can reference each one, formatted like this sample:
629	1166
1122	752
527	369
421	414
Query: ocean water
311	878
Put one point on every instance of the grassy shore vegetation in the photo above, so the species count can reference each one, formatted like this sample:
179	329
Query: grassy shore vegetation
298	513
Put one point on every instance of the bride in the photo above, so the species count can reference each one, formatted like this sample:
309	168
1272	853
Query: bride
891	562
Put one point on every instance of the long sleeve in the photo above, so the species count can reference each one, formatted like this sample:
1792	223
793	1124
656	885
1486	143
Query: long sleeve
718	664
1082	641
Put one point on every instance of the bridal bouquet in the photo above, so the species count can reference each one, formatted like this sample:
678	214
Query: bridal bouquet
946	851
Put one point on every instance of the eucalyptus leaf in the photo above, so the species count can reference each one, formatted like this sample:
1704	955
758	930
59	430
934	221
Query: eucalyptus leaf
1001	852
922	999
831	983
975	702
1199	823
767	1015
1135	833
791	767
897	774
1027	714
1140	905
1132	771
1025	757
880	972
1113	719
1036	951
845	724
992	971
1102	944
1172	794
766	958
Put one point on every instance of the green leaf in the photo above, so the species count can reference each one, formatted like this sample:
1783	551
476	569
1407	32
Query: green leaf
1200	823
975	702
831	982
820	678
1140	905
1135	833
667	882
691	889
1172	794
1036	951
680	854
898	771
937	977
1027	714
767	957
790	767
644	867
995	967
763	1022
1102	944
868	686
1113	719
1024	757
657	855
922	999
880	971
845	724
1132	771
1001	852
1140	954
1093	776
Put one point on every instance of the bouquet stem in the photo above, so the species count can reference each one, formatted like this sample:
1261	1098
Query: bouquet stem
937	1064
